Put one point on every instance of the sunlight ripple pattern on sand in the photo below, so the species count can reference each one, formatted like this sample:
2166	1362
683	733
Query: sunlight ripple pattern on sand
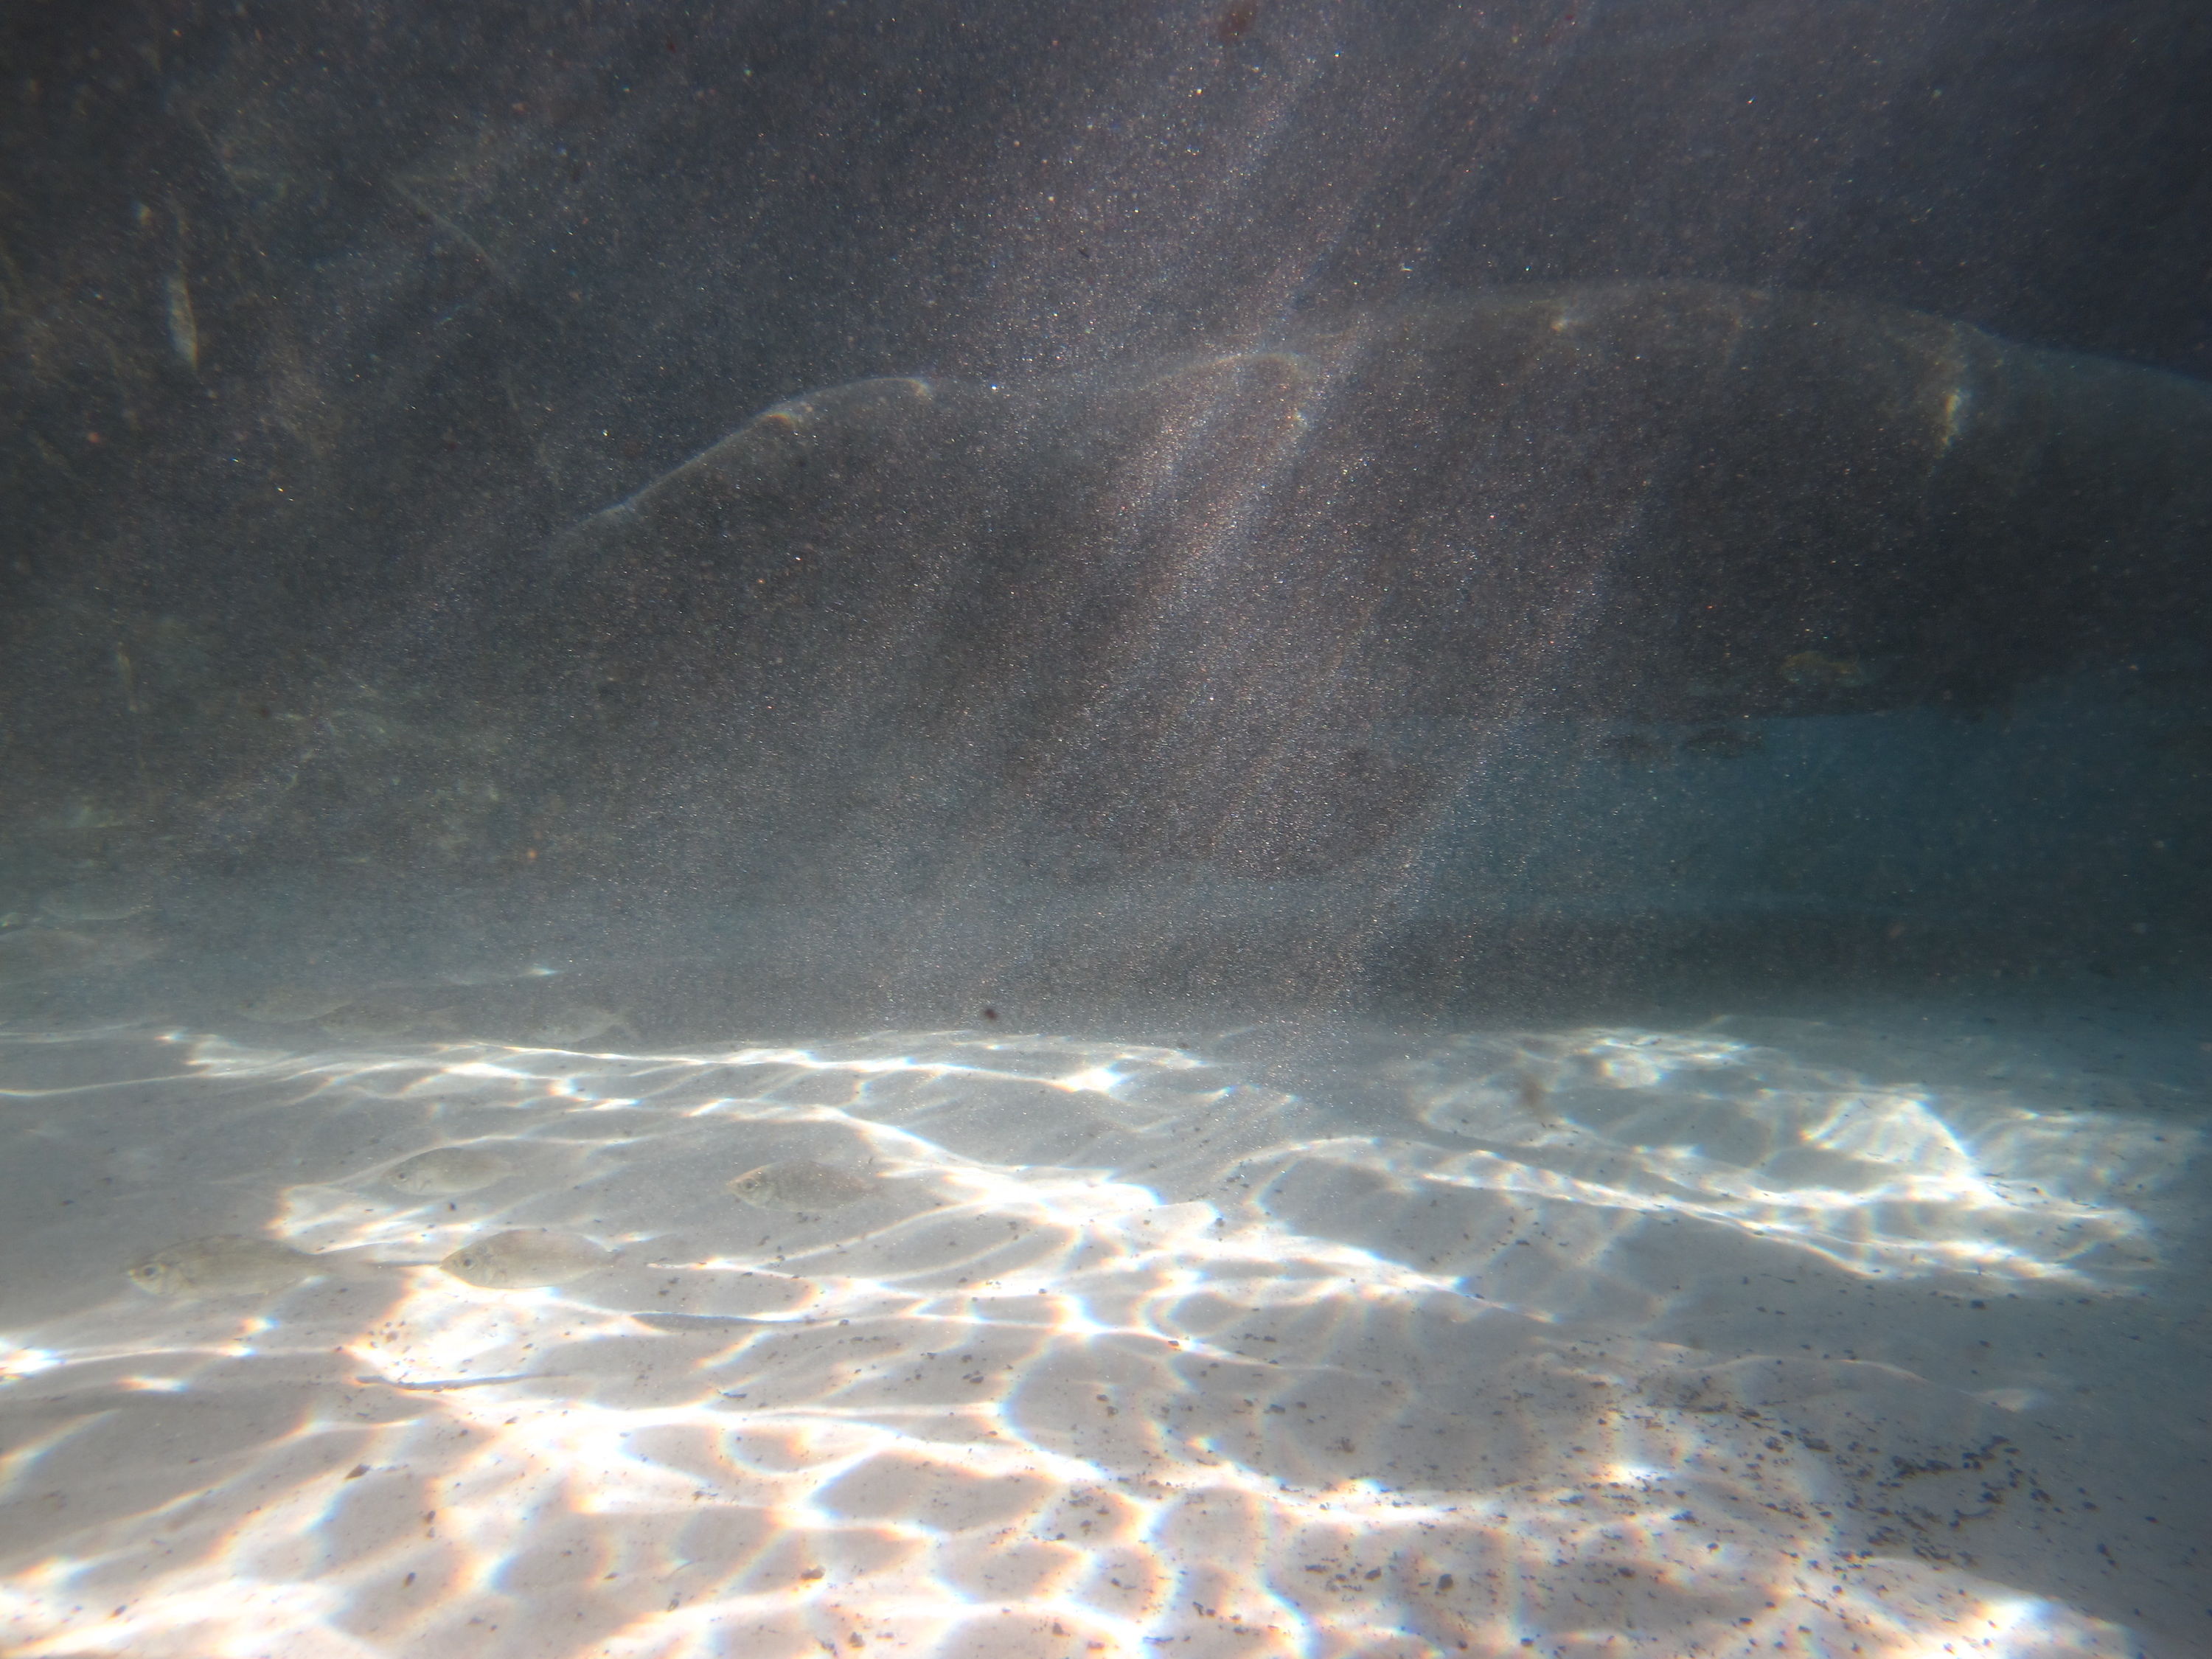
1122	1348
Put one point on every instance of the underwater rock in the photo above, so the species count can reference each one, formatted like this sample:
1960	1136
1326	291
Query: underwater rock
1263	610
1266	608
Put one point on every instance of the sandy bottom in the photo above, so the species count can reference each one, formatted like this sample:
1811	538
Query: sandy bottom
1881	1333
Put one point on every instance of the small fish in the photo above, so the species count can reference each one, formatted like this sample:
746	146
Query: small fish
1724	742
1635	749
1813	668
226	1264
525	1258
1234	21
82	814
800	1183
183	326
293	1005
95	901
448	1171
2188	748
378	1018
497	975
29	953
566	1024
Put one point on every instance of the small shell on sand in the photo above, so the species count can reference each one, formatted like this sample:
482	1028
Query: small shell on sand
448	1171
800	1183
525	1258
226	1264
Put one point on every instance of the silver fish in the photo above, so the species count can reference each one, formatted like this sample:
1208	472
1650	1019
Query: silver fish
800	1183
225	1264
293	1005
525	1258
448	1171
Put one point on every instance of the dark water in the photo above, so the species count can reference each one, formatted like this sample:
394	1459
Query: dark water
1332	574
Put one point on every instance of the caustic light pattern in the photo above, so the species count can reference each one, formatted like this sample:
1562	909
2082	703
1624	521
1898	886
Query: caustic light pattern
1048	1346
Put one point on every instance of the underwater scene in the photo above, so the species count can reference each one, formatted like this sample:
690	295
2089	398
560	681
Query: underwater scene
1291	830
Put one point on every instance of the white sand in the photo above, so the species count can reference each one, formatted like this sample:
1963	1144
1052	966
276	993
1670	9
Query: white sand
1881	1333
